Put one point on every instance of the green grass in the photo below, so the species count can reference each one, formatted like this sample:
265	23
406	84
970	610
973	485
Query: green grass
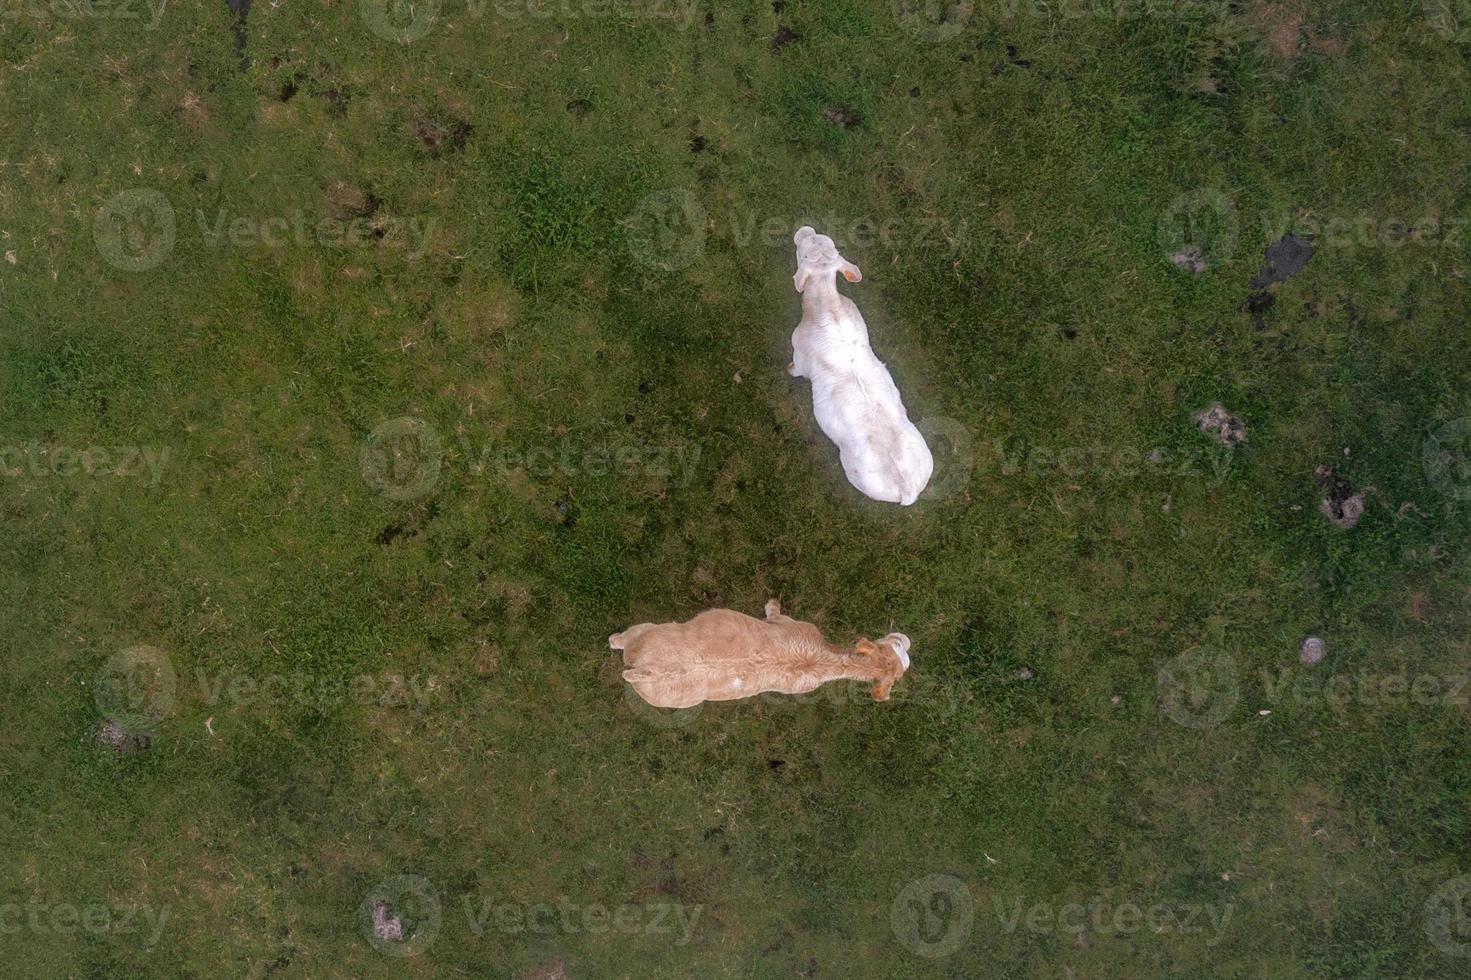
601	362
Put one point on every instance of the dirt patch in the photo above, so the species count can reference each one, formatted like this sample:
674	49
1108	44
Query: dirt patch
121	741
1189	259
842	116
1340	504
784	35
1258	304
555	969
487	659
579	108
1285	259
336	100
1282	27
439	138
393	532
347	201
1419	606
1217	422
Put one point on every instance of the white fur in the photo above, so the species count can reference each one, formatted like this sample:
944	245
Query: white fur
854	398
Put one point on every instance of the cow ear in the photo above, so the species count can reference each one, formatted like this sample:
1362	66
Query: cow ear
851	272
800	279
881	690
867	648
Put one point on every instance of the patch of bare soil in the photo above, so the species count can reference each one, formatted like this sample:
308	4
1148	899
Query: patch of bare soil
1282	26
1189	259
1216	421
842	116
554	969
347	201
1340	504
123	742
438	138
1285	259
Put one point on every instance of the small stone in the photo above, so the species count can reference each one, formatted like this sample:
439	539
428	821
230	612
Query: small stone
1025	674
385	925
1313	651
1218	422
1189	259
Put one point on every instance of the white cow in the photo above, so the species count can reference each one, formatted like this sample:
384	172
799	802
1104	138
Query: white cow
853	397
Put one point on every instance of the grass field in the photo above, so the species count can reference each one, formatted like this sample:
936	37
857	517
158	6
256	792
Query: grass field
364	366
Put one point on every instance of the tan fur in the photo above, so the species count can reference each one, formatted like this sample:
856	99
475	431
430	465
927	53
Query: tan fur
721	655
